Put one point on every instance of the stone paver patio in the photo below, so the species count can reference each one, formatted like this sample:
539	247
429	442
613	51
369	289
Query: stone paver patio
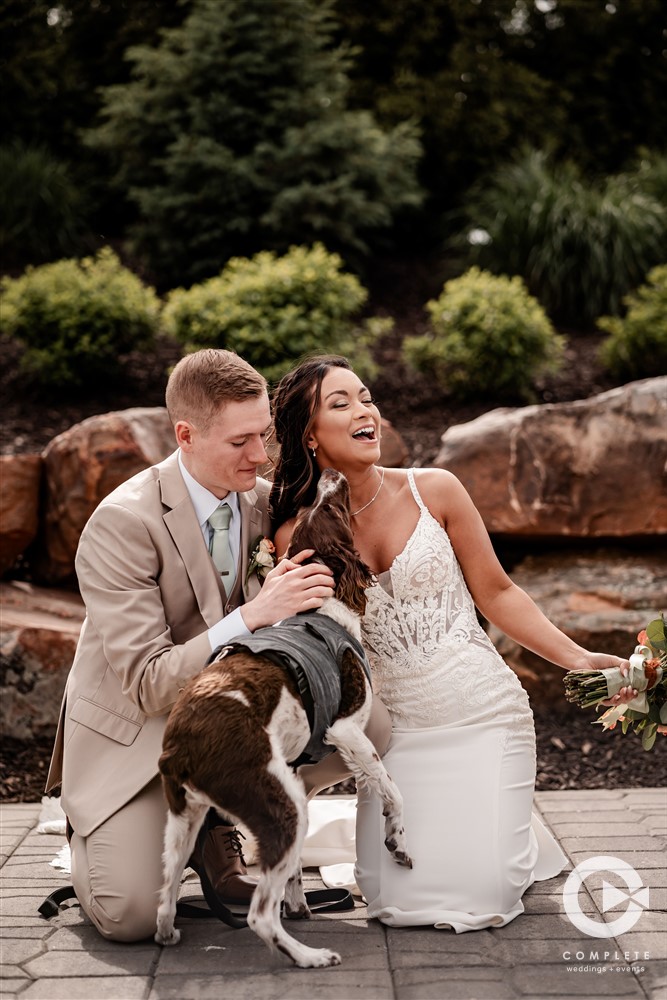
539	955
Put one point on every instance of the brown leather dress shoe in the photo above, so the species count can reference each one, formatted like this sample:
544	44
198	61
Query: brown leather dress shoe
219	849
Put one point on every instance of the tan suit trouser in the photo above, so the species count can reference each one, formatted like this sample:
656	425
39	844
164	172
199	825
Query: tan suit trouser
117	869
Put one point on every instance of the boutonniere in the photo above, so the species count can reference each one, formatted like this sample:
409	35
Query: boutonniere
262	557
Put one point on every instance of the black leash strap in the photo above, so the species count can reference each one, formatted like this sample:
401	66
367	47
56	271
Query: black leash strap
319	901
51	905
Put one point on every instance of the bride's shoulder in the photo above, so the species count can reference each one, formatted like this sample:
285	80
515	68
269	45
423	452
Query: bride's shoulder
435	481
441	491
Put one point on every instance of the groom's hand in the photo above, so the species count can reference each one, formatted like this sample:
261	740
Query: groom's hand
290	587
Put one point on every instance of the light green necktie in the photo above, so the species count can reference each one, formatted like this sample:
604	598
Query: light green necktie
219	546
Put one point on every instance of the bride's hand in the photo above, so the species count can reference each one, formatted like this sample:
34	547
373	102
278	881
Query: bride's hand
602	661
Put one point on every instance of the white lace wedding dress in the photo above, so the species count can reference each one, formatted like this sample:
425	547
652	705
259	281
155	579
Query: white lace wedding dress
462	752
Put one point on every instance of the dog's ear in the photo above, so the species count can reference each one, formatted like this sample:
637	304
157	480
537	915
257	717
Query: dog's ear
352	582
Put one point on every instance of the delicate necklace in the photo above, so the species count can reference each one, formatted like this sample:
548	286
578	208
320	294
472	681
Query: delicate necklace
353	513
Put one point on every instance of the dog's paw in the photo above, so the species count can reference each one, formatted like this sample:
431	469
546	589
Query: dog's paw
396	847
300	911
318	958
168	938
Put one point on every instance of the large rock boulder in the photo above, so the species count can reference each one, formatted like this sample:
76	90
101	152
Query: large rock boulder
601	599
83	465
38	636
20	477
592	468
393	451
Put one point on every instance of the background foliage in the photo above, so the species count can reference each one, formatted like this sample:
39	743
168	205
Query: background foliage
580	244
637	343
585	80
273	310
77	319
488	337
234	135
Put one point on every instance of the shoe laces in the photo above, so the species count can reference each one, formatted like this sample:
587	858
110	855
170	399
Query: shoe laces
233	845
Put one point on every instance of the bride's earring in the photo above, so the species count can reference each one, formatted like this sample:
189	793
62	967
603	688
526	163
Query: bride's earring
314	450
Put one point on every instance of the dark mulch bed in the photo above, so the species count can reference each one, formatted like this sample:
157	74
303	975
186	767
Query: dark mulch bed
571	753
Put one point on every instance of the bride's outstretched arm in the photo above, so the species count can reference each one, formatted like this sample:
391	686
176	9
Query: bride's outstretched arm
500	600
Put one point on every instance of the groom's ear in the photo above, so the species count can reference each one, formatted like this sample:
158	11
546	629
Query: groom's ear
183	433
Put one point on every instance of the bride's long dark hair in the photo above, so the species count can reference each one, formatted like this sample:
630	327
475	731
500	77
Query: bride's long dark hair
295	403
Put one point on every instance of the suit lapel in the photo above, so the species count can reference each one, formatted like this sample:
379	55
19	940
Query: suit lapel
181	522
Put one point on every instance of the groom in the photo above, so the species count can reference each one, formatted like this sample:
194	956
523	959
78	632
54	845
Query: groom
164	577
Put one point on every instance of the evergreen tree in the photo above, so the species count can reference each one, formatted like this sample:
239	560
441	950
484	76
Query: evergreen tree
234	135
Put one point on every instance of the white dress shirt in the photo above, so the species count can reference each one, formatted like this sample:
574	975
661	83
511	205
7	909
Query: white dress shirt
204	503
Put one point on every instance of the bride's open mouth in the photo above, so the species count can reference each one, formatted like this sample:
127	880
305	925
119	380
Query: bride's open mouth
365	433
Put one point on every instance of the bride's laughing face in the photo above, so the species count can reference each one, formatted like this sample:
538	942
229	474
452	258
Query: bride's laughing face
346	429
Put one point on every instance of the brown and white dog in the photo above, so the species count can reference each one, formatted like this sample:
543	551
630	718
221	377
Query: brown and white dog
238	726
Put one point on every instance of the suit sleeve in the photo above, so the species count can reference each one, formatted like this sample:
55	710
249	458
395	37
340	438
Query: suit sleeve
118	567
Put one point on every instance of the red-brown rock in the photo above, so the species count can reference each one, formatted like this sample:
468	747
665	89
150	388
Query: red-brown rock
83	465
20	477
38	636
601	599
592	468
393	452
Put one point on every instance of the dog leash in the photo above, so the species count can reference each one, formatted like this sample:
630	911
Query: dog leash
319	901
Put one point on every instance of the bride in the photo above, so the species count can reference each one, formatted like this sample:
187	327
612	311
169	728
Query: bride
462	748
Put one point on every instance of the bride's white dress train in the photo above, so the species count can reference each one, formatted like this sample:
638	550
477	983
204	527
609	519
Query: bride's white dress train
462	752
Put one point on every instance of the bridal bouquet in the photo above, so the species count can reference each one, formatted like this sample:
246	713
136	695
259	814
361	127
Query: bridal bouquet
647	713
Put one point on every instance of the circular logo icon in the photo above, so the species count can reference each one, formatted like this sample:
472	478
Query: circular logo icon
636	897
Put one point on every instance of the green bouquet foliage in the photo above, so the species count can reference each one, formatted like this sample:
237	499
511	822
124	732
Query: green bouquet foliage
637	343
275	310
77	318
489	337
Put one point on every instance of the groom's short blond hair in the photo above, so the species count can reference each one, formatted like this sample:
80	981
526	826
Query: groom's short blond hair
203	382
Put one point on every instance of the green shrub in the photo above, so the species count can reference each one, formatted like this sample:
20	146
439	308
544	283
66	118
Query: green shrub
579	244
274	310
637	343
489	337
77	318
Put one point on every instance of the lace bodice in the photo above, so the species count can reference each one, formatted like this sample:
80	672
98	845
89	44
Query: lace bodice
432	662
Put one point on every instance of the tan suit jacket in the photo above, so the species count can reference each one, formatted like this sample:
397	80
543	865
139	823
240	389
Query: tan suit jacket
151	593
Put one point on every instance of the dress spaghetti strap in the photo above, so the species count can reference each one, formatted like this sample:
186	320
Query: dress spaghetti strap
415	492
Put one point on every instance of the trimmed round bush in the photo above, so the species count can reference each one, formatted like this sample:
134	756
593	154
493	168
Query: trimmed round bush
489	336
275	310
77	318
637	343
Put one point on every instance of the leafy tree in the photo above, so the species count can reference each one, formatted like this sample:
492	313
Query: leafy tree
234	135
